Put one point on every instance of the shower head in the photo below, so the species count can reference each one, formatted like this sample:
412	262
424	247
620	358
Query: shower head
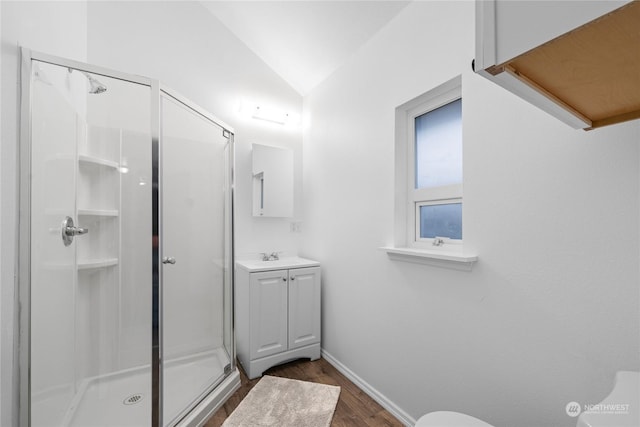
95	85
39	75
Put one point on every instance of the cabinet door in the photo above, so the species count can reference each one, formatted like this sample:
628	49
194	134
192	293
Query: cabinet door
304	307
268	313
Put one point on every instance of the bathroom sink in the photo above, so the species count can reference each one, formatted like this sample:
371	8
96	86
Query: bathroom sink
253	265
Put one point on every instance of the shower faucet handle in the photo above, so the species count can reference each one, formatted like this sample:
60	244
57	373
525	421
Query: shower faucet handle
69	230
77	231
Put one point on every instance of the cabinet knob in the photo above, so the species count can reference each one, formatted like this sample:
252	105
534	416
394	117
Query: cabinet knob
293	277
284	279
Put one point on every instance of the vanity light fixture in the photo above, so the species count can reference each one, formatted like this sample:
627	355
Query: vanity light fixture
260	111
270	115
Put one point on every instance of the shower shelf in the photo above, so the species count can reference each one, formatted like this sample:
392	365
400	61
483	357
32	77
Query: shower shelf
82	158
98	212
97	263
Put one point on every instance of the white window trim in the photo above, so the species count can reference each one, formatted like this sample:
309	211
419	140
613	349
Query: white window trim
406	248
451	260
430	102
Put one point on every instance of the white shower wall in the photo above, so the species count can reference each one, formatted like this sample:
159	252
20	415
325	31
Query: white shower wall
53	265
135	300
126	139
83	295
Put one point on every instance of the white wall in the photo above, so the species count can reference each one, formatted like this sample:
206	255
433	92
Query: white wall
60	29
186	48
548	314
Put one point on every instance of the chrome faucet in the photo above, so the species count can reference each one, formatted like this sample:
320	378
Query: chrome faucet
272	257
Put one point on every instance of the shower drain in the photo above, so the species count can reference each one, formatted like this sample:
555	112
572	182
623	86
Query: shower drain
133	399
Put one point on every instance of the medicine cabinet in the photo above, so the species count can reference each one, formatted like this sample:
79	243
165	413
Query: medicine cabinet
272	181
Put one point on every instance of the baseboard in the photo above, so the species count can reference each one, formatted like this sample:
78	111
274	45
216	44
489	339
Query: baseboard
387	404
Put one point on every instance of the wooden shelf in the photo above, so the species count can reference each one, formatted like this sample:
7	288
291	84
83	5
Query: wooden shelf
592	71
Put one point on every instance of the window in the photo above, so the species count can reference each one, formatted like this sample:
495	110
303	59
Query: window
439	220
428	146
428	180
435	153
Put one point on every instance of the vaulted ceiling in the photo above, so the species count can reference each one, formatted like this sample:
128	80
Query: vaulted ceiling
304	41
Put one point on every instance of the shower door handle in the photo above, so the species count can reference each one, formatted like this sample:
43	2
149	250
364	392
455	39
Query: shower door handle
68	231
168	260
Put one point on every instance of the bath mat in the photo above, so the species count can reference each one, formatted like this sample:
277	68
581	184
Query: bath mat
283	402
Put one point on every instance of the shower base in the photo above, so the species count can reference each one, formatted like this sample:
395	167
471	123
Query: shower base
123	398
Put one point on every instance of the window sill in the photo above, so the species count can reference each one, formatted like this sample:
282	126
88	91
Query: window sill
437	258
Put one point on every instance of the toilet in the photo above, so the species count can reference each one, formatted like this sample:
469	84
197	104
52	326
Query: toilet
625	392
611	411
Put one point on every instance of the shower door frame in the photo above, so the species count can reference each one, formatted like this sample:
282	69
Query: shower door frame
228	132
22	339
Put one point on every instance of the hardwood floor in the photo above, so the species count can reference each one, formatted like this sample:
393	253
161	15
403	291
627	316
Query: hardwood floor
354	408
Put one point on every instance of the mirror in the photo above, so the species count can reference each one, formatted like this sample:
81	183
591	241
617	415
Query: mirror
272	181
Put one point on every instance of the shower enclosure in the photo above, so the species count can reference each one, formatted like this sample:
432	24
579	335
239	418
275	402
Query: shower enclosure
126	252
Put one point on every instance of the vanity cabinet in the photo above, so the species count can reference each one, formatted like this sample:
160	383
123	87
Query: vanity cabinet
277	313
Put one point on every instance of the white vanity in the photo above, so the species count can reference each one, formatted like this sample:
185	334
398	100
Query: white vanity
277	316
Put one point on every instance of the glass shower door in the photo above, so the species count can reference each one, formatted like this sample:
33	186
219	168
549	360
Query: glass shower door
53	266
91	249
196	256
115	174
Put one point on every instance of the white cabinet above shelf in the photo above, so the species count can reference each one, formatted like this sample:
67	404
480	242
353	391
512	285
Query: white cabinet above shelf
578	60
